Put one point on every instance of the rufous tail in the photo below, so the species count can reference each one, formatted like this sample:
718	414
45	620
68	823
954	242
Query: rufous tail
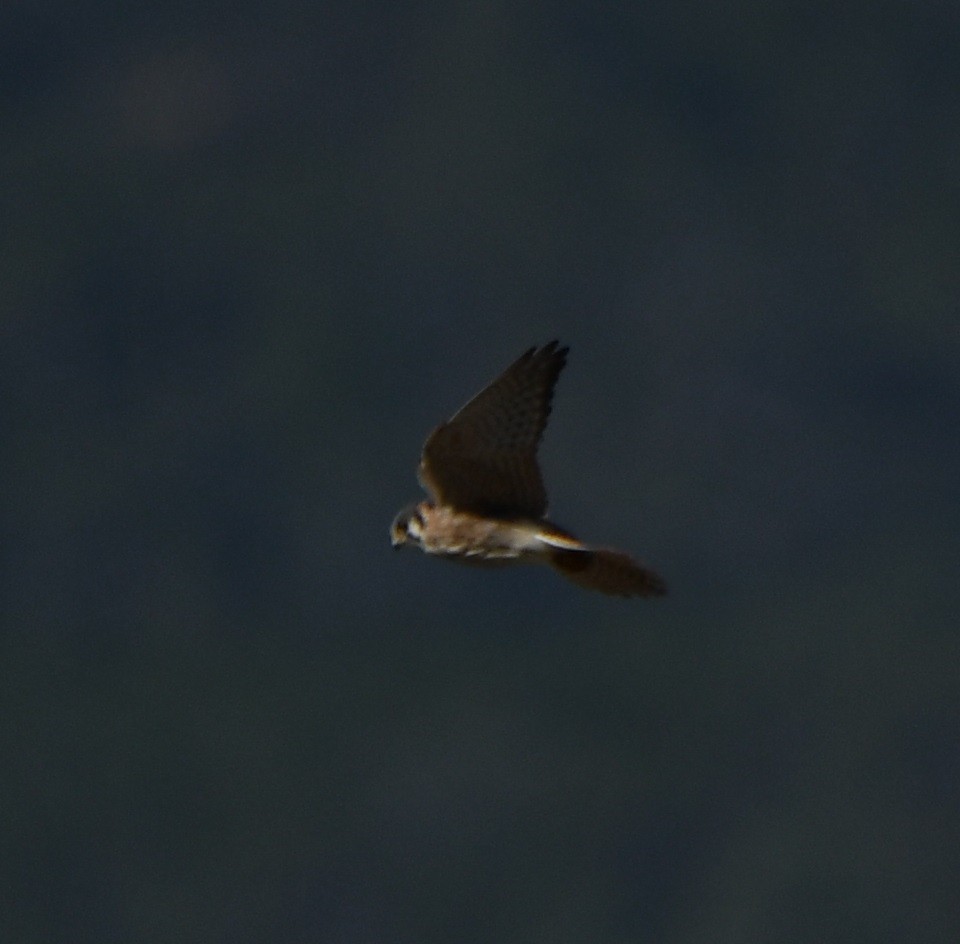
608	571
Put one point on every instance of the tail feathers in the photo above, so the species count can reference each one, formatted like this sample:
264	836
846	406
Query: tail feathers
608	571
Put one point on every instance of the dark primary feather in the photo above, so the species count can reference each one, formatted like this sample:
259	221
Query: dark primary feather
484	459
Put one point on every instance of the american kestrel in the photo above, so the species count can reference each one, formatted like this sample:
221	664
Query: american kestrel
488	503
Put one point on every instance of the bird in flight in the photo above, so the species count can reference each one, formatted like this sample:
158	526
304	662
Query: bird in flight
487	501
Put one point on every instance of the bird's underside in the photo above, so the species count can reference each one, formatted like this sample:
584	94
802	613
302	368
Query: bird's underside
472	539
488	499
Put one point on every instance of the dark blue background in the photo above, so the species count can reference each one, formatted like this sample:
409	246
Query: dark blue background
252	253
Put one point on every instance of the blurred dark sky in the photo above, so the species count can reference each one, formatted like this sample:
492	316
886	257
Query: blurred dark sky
252	253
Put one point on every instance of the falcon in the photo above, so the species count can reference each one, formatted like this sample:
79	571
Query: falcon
488	503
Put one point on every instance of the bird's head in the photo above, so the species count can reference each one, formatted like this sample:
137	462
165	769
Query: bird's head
407	527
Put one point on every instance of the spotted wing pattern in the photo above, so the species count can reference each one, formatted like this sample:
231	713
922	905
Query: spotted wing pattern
484	459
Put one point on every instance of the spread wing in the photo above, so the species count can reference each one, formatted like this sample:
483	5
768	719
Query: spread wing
485	458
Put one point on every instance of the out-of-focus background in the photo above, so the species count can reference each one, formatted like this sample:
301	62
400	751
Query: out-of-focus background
252	253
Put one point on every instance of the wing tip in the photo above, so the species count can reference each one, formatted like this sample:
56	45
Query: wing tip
551	351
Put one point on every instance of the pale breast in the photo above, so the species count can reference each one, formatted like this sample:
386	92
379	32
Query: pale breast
465	535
